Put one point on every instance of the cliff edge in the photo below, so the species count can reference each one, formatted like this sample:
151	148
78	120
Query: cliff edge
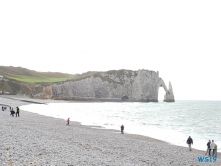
115	85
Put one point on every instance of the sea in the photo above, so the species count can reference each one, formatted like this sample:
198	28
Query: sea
169	122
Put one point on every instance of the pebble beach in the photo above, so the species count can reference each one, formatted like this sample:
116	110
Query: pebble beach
33	139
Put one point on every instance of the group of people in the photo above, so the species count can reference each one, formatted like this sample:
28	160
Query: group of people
211	147
4	108
12	112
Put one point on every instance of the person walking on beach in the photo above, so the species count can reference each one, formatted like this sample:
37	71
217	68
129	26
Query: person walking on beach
208	148
212	145
122	129
17	112
189	142
68	121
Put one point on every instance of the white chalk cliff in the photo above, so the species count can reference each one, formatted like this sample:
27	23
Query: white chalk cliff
115	85
169	96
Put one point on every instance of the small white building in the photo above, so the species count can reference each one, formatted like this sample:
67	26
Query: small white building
1	77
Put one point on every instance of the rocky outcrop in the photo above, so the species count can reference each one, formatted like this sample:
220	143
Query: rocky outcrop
116	85
169	96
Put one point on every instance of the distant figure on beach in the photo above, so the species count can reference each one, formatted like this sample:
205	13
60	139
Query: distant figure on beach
189	142
12	112
68	121
17	111
122	129
212	146
215	151
4	108
208	148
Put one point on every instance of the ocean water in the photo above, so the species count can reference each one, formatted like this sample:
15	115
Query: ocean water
170	122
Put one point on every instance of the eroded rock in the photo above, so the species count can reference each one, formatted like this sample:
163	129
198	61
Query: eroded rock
116	85
169	96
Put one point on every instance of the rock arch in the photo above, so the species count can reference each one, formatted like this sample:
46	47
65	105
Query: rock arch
169	96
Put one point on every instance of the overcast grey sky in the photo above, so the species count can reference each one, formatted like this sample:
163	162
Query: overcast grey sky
179	38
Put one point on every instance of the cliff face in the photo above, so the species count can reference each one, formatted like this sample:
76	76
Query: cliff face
169	96
121	85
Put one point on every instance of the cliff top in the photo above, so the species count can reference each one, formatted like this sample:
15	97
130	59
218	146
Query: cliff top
31	76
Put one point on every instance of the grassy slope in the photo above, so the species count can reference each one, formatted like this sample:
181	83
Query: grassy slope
31	76
30	79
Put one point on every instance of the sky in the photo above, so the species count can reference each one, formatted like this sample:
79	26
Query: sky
179	38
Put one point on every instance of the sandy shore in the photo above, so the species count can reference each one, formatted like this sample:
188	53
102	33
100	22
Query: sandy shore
33	139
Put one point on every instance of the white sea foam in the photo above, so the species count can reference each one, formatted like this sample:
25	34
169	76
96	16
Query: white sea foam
170	122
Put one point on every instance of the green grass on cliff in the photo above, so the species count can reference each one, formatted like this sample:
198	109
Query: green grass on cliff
31	76
30	79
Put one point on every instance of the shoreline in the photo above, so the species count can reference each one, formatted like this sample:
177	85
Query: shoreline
147	150
28	101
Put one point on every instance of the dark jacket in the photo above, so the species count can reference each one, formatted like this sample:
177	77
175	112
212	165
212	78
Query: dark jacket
189	140
17	109
208	144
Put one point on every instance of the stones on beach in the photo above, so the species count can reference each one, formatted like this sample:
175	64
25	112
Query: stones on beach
39	140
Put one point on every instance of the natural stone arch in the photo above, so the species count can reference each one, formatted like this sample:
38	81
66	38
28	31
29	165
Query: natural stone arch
168	97
162	84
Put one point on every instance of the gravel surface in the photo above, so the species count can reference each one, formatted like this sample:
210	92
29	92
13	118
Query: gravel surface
33	139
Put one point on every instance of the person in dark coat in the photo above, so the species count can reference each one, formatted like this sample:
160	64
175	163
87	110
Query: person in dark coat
208	148
189	142
12	112
17	111
122	129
